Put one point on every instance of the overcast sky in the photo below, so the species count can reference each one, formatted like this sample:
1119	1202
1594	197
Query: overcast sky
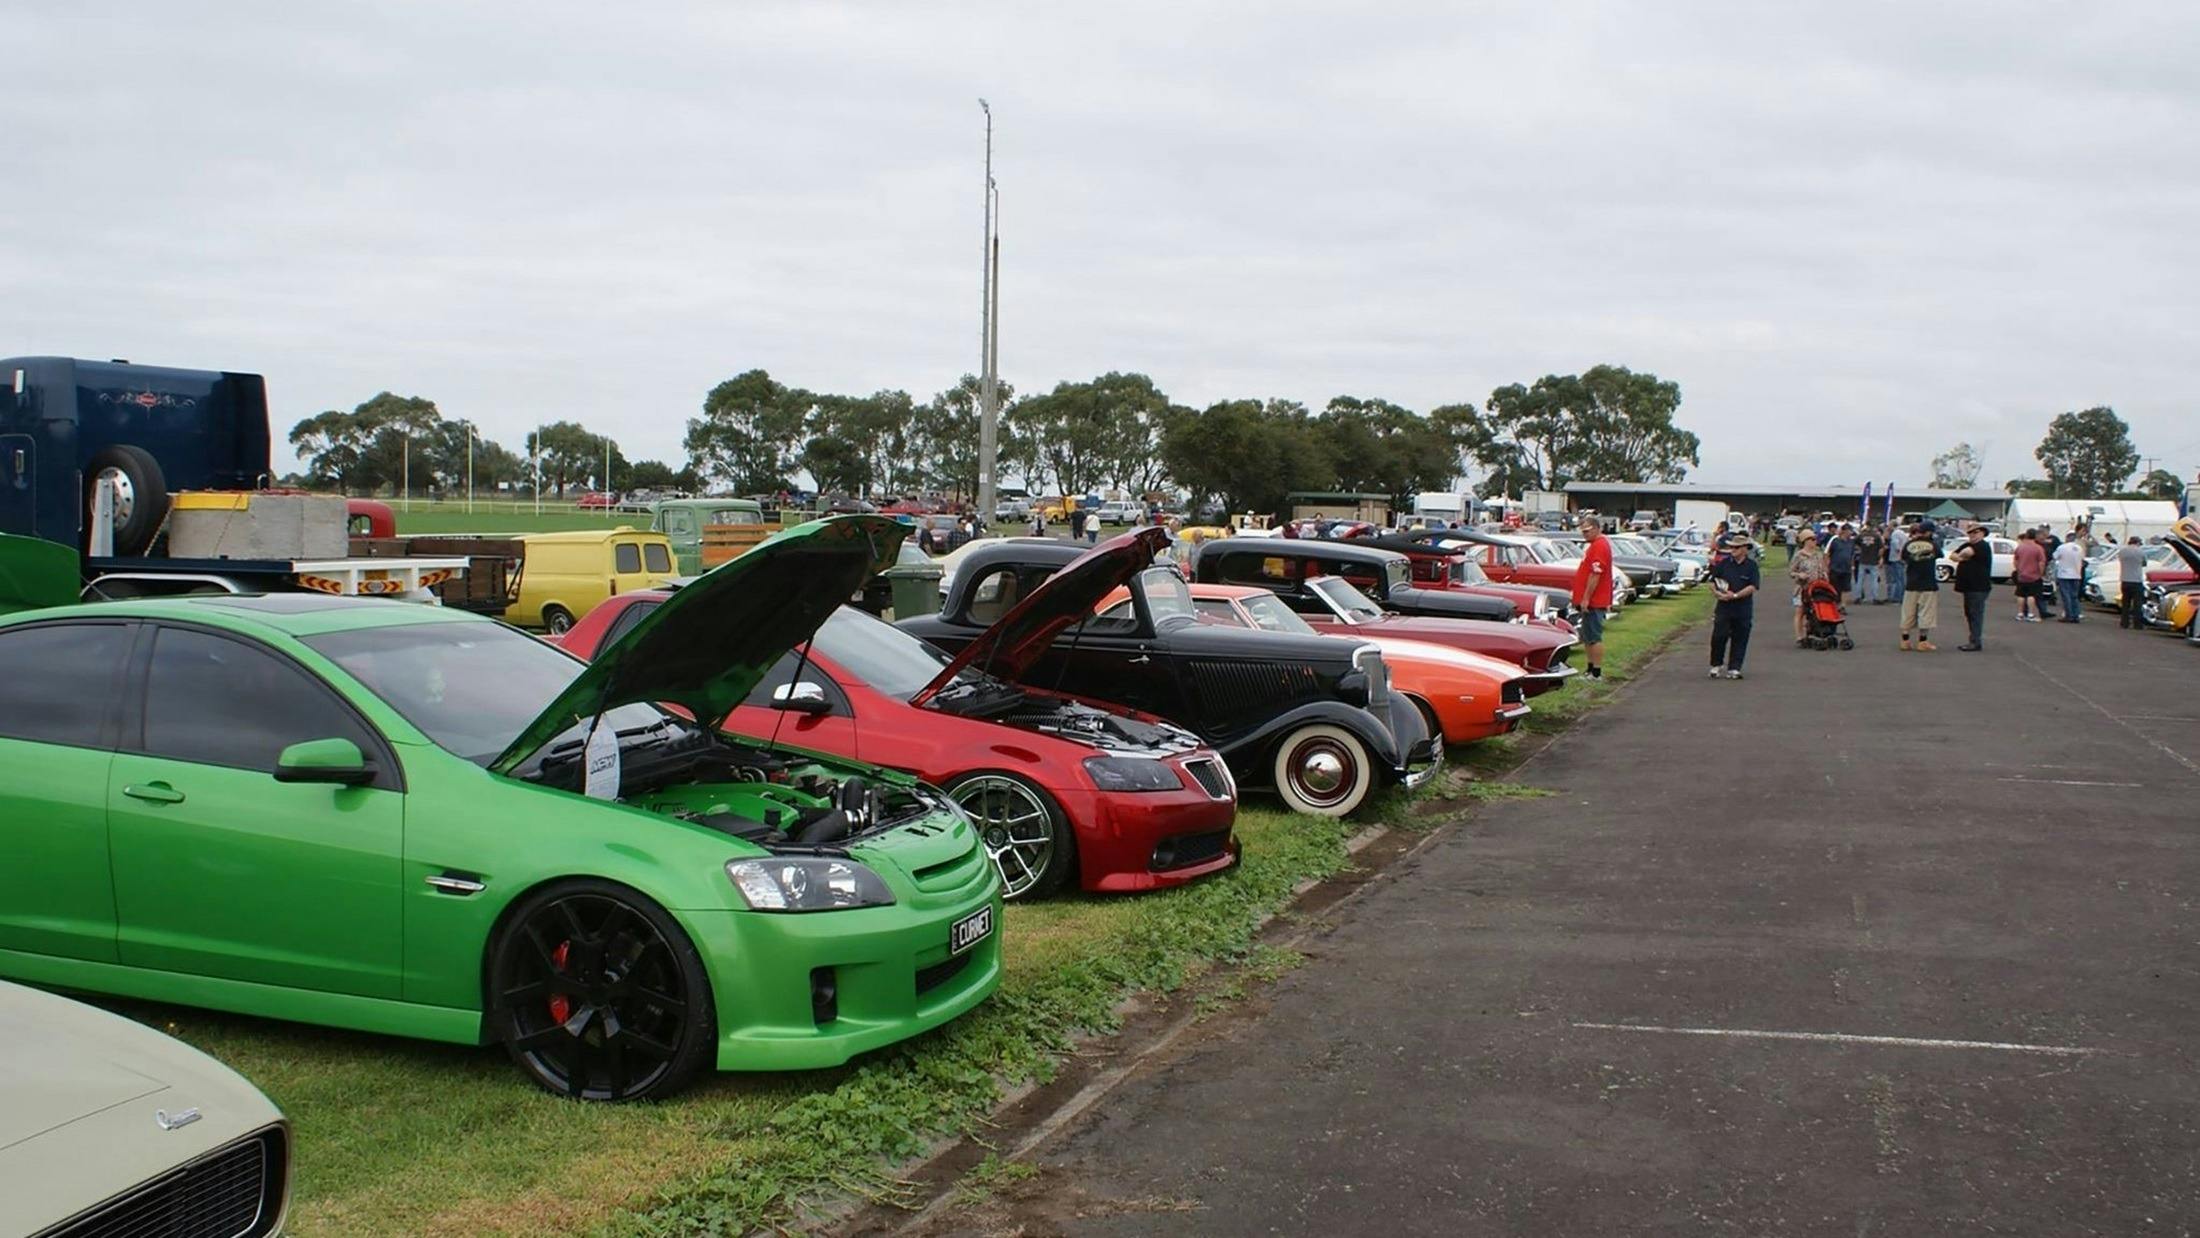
1854	234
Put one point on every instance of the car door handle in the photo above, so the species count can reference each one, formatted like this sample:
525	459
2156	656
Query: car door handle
1141	658
154	793
451	883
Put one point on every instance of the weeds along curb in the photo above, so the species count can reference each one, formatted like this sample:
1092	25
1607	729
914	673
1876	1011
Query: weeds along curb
1033	1113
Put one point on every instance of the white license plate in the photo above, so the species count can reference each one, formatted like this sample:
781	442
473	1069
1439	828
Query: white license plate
970	930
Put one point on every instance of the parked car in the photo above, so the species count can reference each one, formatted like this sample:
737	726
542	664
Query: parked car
1515	559
1312	717
597	500
682	521
2104	577
416	820
1121	511
1649	575
1442	561
1060	788
1334	607
563	576
1012	511
126	1131
1384	575
1462	696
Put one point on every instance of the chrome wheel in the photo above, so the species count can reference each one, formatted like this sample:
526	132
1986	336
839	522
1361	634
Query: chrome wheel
125	493
1018	828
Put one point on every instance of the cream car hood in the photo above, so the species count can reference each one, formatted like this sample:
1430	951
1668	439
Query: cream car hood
82	1092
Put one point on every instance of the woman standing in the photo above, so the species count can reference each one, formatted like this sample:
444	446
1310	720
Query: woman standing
1808	563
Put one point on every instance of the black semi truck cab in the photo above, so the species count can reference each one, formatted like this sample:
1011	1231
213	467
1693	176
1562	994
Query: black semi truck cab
65	423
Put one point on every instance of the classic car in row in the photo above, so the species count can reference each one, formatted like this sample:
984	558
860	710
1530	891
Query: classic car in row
1384	575
1436	562
418	821
1462	696
1322	582
1311	717
1058	787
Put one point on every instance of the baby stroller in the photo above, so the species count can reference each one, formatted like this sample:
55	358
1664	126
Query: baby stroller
1826	624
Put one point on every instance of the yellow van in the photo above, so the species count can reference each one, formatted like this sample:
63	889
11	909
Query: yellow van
563	575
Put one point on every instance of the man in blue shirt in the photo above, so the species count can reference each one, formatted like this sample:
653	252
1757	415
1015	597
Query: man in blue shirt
1734	579
1841	560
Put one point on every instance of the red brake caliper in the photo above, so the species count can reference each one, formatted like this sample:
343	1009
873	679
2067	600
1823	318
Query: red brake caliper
561	1007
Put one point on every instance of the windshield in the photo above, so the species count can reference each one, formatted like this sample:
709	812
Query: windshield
1542	551
881	655
1269	614
1349	603
1465	571
470	687
1167	596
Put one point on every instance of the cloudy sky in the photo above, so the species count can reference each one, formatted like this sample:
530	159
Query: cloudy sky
1854	234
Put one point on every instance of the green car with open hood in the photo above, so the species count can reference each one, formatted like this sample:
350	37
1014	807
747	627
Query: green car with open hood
415	821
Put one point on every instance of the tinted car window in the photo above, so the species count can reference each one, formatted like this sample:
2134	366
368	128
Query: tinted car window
624	623
57	681
626	557
1255	569
992	596
216	701
656	556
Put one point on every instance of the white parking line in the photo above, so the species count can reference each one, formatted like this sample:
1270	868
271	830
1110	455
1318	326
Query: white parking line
2163	748
1908	1042
2068	782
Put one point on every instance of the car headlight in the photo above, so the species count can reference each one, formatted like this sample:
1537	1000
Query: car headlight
803	883
1542	608
1131	774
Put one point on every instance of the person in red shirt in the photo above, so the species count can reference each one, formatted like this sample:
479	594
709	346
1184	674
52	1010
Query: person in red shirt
1593	592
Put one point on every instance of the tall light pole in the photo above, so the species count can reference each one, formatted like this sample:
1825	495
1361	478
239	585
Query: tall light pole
469	468
989	391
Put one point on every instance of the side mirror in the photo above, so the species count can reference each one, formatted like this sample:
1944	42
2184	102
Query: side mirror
801	698
336	761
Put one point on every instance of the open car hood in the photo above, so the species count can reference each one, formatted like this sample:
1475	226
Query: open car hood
705	647
1067	598
2184	538
35	573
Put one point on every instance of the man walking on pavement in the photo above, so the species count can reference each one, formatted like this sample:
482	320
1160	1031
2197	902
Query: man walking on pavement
2069	575
1975	584
2031	572
2131	563
1920	555
1593	592
1735	579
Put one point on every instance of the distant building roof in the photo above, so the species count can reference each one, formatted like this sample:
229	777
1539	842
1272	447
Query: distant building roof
1334	496
1686	488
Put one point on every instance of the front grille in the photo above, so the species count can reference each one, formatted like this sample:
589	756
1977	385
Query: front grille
930	978
1370	662
232	1192
1185	850
1208	773
1227	687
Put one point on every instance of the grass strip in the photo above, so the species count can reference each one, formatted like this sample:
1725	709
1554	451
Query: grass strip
406	1137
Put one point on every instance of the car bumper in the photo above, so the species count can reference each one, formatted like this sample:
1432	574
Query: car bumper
1422	753
889	968
1132	841
1535	683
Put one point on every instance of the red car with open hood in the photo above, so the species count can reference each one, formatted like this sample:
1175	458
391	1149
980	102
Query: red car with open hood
1058	787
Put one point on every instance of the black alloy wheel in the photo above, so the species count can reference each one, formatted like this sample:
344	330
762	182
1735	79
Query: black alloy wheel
598	995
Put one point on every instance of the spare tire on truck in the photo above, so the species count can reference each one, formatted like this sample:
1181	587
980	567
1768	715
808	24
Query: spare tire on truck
141	495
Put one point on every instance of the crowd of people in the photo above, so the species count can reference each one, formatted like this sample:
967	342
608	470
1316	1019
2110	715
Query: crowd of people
1900	565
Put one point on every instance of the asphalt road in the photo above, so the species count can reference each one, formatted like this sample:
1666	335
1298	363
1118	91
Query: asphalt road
1868	943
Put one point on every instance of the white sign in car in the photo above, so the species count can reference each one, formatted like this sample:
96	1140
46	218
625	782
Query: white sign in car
602	757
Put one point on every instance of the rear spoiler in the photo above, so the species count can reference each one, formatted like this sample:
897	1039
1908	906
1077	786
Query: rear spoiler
35	573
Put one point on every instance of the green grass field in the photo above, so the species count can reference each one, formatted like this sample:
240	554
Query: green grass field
499	516
402	1137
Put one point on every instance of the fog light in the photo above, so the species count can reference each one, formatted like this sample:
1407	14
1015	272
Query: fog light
824	995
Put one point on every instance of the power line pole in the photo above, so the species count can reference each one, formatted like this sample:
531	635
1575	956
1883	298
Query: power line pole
989	392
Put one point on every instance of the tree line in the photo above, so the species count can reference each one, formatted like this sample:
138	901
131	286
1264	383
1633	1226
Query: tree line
2086	454
1117	431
